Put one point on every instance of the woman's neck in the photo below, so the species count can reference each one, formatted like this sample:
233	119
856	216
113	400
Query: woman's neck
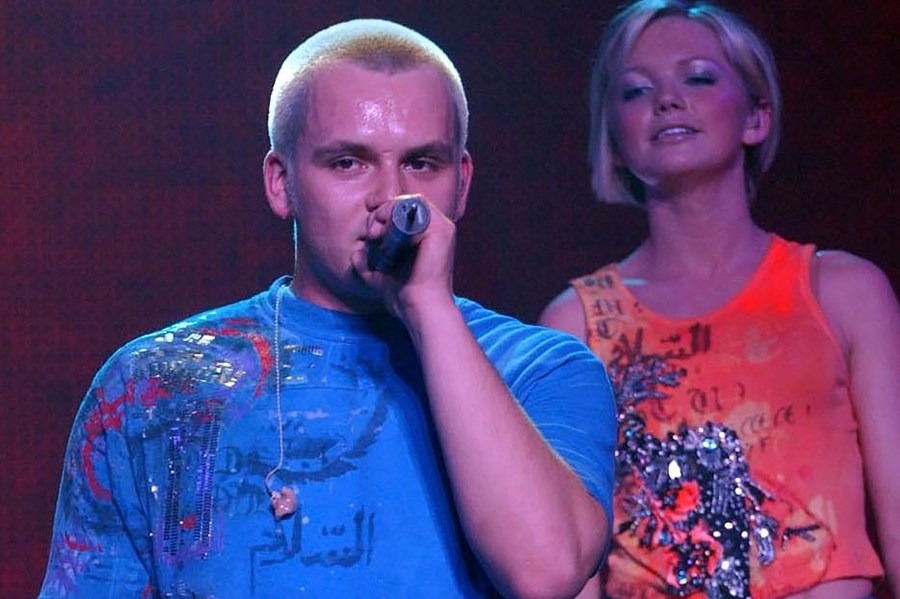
691	266
698	234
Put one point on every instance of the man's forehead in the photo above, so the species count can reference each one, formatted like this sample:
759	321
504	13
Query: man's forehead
347	94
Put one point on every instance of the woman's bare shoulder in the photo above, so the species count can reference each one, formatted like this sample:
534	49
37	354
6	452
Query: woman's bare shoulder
565	313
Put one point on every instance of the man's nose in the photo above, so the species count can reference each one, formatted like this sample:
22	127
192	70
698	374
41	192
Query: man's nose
392	182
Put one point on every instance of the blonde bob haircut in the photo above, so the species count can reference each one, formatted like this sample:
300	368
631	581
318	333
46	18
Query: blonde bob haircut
375	44
748	54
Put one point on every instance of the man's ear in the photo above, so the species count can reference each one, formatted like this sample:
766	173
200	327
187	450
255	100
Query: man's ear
758	125
275	179
466	167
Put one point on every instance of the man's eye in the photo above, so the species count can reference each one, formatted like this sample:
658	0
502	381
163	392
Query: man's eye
420	164
343	164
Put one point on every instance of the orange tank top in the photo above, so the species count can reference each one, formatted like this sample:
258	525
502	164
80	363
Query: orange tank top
738	460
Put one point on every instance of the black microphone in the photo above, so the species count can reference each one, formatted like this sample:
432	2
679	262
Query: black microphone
409	217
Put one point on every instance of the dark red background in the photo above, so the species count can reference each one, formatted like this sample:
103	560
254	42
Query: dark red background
132	135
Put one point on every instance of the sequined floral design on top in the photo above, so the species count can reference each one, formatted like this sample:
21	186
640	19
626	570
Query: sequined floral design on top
689	496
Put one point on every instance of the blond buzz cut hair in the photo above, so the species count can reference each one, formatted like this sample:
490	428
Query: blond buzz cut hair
375	44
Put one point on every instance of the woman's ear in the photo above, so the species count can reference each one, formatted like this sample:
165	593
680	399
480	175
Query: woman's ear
758	125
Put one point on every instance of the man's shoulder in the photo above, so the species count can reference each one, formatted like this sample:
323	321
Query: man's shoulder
484	321
225	332
493	328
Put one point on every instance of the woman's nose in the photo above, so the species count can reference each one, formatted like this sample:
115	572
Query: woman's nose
668	98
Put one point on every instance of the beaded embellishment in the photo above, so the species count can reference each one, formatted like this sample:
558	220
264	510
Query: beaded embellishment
690	494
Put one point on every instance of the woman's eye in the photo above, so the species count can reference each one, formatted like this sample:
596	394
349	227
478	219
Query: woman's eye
632	92
701	80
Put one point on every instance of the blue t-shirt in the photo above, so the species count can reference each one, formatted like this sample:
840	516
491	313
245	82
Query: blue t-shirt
163	490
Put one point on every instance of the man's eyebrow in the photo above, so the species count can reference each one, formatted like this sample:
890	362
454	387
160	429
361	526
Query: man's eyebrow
438	148
339	148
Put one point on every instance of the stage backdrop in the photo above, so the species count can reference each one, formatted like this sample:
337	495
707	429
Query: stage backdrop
132	135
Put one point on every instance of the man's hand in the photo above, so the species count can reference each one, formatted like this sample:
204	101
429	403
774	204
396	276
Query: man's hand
427	280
